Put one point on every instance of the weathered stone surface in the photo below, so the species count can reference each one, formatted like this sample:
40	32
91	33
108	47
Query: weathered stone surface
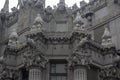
84	38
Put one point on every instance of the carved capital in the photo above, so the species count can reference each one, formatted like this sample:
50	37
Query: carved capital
35	59
79	59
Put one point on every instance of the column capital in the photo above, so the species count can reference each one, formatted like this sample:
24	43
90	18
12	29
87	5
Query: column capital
34	59
79	60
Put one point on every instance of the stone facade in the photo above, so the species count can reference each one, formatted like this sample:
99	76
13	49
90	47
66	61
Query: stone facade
60	43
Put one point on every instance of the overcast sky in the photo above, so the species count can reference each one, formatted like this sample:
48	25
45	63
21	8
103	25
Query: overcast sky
48	2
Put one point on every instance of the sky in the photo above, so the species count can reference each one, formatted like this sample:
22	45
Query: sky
13	3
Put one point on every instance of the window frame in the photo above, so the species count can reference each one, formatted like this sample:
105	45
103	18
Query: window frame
58	74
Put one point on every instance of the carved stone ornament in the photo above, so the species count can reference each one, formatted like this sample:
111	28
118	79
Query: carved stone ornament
78	19
6	73
75	8
13	43
39	3
37	26
107	39
61	5
48	10
14	10
79	28
79	59
88	13
35	59
110	73
9	74
81	42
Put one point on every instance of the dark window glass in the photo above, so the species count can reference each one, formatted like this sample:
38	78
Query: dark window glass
58	68
58	71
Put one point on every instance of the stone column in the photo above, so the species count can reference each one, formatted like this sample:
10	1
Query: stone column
80	64
35	66
35	73
80	73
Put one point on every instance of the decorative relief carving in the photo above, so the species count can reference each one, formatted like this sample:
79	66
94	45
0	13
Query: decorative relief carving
9	74
37	26
79	59
6	73
13	43
33	58
61	6
75	9
110	73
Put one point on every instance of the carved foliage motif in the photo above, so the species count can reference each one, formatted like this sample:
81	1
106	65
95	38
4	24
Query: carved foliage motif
110	73
9	74
34	58
79	59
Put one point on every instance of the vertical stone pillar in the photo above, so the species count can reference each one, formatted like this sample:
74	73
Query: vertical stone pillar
80	73
35	74
80	65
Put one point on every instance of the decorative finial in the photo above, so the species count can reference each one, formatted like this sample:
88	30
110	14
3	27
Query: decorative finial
38	20
106	34
78	23
6	6
37	26
107	39
13	35
13	43
78	19
83	3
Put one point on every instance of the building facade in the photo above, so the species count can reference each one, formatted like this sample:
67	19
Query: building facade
60	43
